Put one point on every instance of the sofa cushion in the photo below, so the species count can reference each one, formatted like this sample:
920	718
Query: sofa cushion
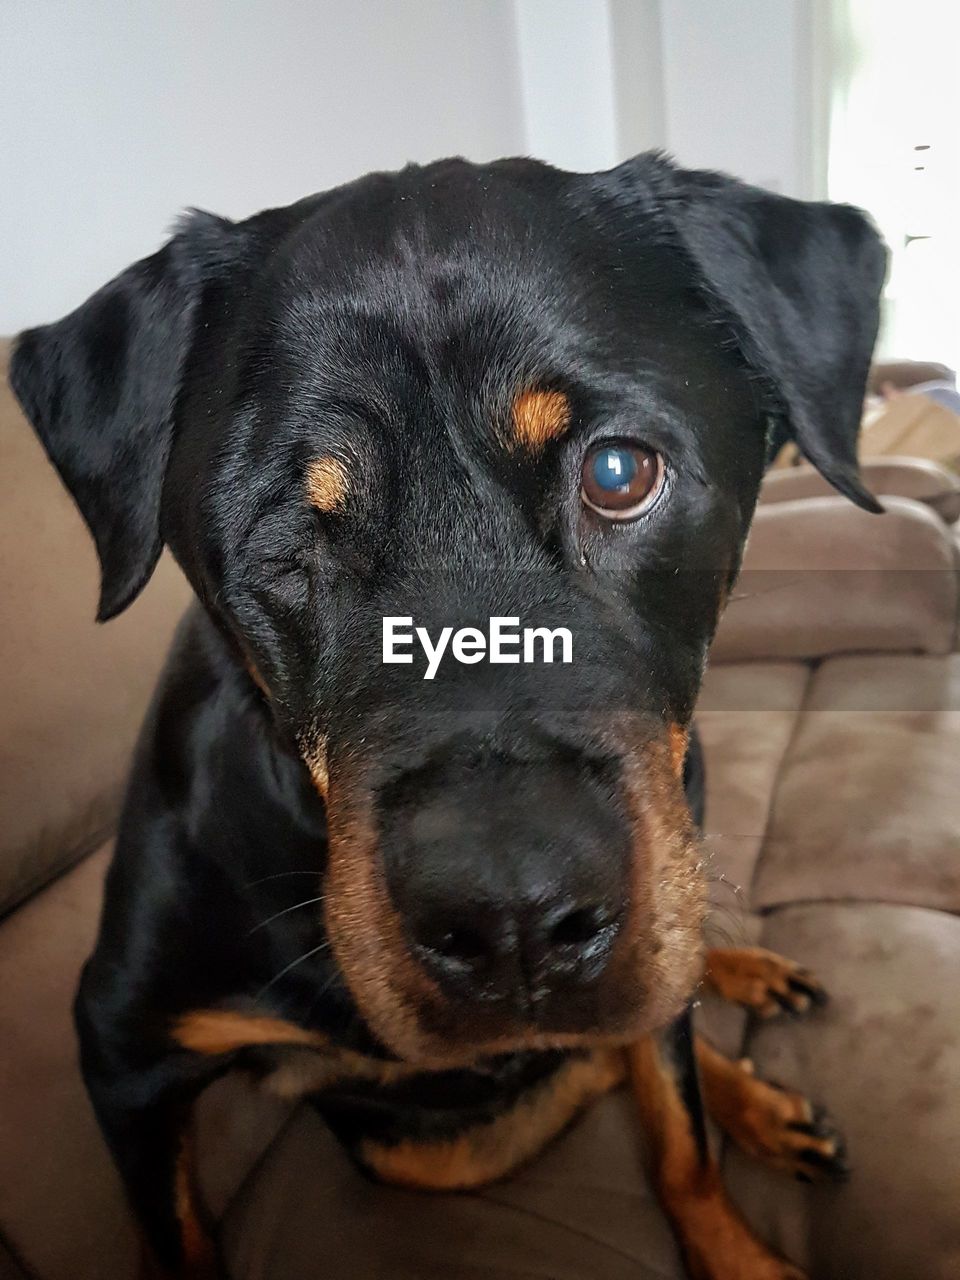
746	716
868	807
71	693
821	577
60	1202
885	1057
928	482
583	1208
919	424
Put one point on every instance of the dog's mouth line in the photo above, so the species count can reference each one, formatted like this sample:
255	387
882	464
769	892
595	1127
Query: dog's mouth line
484	1057
522	1036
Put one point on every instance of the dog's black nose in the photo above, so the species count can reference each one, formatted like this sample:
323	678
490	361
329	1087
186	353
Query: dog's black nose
510	879
523	951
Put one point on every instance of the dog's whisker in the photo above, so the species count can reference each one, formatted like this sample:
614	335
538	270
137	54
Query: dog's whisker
286	910
721	908
716	932
292	965
718	877
735	890
730	835
278	875
318	997
717	935
325	988
736	907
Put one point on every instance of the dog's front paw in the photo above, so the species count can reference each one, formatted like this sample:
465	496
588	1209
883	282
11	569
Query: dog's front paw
762	981
784	1130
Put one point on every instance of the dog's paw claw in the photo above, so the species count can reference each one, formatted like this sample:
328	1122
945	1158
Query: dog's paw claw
827	1160
765	983
785	1130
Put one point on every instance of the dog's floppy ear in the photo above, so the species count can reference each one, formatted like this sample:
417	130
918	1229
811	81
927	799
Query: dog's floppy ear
100	388
798	284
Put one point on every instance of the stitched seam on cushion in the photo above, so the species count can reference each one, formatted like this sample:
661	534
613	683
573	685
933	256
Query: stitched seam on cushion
725	1142
769	912
575	1231
802	709
246	1187
254	1170
77	853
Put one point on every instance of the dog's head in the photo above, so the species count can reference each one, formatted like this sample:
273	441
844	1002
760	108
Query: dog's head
453	394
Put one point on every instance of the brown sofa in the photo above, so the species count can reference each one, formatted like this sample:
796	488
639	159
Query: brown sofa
831	715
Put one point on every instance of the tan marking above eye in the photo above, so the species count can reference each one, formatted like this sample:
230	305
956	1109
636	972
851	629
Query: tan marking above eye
539	417
327	484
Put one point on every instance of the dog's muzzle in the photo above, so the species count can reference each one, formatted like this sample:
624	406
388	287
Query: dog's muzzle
510	877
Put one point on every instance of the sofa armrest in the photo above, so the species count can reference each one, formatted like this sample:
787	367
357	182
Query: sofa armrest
72	693
822	577
919	478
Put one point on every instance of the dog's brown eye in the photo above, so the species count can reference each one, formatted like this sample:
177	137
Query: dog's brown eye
620	481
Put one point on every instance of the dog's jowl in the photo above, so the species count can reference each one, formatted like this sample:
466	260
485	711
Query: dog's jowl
445	396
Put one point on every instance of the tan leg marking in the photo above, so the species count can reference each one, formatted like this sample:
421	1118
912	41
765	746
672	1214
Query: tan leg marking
491	1151
774	1125
716	1242
217	1031
200	1258
761	981
678	737
316	761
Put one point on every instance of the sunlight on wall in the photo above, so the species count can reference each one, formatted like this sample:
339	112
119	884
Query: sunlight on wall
895	150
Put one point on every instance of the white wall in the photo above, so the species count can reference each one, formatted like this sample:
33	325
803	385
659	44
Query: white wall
638	75
592	79
119	113
568	94
722	84
736	88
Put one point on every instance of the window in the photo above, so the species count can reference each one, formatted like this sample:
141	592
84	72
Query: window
895	149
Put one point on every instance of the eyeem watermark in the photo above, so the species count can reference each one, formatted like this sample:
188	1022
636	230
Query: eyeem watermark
504	642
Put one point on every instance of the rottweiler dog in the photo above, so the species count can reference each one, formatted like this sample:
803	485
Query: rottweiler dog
452	911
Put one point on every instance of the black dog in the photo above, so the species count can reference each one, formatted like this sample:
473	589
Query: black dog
453	910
